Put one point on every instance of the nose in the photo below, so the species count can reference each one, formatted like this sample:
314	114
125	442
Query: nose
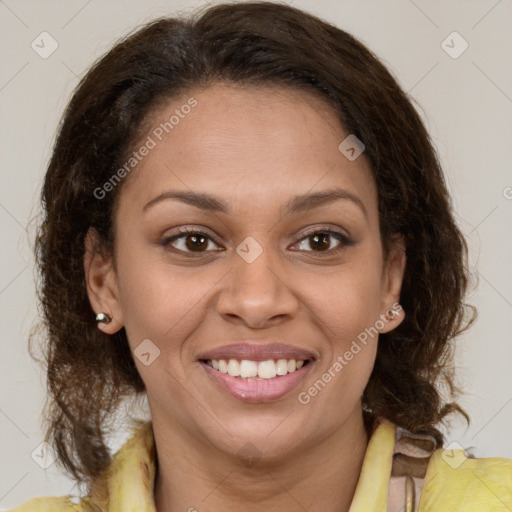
256	294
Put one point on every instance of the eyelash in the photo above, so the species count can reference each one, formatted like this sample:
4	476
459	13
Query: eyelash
184	232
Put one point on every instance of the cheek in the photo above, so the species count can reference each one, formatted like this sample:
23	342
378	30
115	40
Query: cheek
345	301
159	301
347	315
351	331
346	307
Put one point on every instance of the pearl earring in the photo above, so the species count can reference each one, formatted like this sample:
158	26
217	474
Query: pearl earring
103	318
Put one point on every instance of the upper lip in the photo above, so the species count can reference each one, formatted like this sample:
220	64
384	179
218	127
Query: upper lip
257	352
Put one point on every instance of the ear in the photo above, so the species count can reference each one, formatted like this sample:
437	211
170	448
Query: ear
100	280
392	312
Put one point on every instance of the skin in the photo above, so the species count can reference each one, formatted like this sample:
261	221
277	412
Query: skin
256	148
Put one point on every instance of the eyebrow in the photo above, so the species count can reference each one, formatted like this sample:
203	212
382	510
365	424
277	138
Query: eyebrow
298	204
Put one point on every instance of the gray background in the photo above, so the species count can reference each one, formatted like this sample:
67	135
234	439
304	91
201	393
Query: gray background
465	102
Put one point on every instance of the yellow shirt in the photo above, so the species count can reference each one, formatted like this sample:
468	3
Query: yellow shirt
452	482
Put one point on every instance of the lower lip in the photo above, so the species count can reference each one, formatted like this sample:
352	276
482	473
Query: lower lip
257	391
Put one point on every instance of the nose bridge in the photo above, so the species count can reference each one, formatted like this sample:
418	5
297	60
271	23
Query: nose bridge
255	270
254	277
256	293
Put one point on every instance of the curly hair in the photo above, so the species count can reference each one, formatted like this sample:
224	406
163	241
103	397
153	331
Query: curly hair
256	43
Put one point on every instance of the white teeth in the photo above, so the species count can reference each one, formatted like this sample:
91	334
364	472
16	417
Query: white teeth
248	368
281	367
223	366
254	370
267	369
234	368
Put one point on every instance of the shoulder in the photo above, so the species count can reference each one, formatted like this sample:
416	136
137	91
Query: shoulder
456	482
128	477
59	504
53	504
446	480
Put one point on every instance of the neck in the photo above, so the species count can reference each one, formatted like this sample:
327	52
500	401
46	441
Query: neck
323	478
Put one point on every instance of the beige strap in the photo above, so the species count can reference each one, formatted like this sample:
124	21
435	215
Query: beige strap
411	455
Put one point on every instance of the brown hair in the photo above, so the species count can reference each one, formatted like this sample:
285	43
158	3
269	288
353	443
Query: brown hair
88	372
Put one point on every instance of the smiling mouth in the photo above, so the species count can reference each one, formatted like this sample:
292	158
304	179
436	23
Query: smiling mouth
249	370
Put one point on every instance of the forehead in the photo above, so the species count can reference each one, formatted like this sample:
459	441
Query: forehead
252	144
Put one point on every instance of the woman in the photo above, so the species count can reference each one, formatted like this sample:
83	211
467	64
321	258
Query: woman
245	220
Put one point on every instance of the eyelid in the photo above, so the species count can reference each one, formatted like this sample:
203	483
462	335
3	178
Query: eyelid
322	229
188	230
344	238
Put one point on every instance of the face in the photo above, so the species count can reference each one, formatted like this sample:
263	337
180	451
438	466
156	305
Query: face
246	234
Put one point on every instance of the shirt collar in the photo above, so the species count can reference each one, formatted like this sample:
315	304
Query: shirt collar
372	488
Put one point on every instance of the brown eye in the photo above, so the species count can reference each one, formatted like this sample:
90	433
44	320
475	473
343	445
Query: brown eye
196	242
320	241
189	241
324	241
